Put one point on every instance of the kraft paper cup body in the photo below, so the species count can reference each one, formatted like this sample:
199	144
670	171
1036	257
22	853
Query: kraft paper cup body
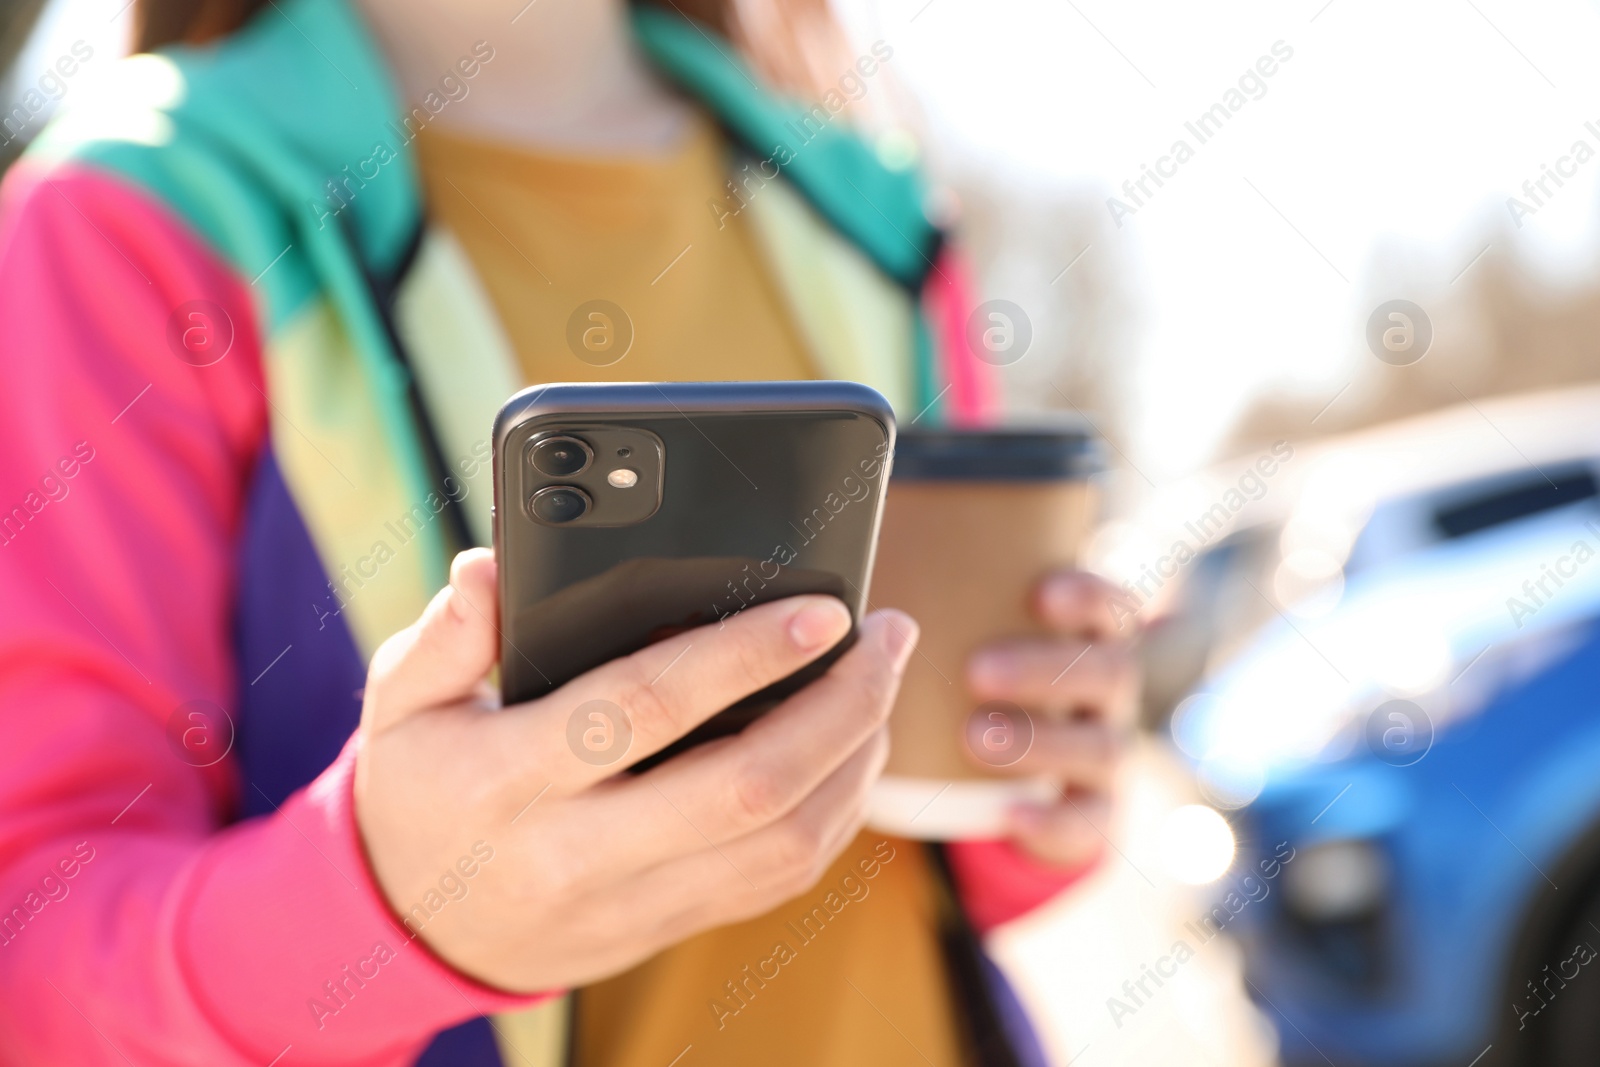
972	522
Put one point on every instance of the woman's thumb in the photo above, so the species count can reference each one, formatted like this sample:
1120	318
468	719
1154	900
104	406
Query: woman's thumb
443	657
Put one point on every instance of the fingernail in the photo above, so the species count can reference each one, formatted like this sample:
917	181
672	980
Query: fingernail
900	637
819	624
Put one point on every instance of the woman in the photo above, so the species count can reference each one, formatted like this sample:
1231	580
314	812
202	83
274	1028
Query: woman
232	313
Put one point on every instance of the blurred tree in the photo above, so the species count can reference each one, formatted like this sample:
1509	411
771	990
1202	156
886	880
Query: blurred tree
1502	327
17	20
1051	253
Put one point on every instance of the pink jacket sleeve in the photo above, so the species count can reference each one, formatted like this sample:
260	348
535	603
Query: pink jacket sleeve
135	926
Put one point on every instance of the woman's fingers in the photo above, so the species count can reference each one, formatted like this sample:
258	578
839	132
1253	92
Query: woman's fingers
444	656
720	792
635	706
1056	675
1067	700
1067	834
750	876
1084	605
788	856
1076	752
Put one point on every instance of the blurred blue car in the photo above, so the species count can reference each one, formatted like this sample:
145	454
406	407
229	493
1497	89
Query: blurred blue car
1430	748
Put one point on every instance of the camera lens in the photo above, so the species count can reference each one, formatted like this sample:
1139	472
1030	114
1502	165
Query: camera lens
560	457
557	504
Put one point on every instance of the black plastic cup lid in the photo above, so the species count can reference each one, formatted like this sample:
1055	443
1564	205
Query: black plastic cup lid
1059	450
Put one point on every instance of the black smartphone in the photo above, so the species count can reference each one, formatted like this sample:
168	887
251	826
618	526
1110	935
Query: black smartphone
629	512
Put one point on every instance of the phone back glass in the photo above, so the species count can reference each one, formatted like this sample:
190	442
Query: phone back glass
766	490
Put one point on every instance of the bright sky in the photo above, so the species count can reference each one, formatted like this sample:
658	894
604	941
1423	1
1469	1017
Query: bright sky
1390	141
103	25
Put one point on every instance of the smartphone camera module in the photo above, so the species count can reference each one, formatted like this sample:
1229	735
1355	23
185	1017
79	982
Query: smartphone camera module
560	457
559	504
589	475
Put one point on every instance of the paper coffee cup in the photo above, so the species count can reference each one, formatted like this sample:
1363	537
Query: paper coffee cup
972	522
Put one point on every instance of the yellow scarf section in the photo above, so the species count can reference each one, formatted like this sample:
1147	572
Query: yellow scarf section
614	269
849	973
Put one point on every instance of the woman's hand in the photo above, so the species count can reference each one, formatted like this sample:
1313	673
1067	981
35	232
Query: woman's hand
1079	689
576	871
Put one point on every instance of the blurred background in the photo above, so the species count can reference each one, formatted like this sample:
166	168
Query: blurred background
1369	573
1324	275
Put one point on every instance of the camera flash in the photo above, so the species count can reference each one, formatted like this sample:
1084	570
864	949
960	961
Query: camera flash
623	478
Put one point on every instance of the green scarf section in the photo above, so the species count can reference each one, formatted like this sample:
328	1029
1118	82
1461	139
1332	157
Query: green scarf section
878	209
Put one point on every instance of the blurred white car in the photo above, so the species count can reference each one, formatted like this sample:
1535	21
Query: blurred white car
1335	509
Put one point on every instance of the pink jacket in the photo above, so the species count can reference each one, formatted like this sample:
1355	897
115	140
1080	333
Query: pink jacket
138	923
